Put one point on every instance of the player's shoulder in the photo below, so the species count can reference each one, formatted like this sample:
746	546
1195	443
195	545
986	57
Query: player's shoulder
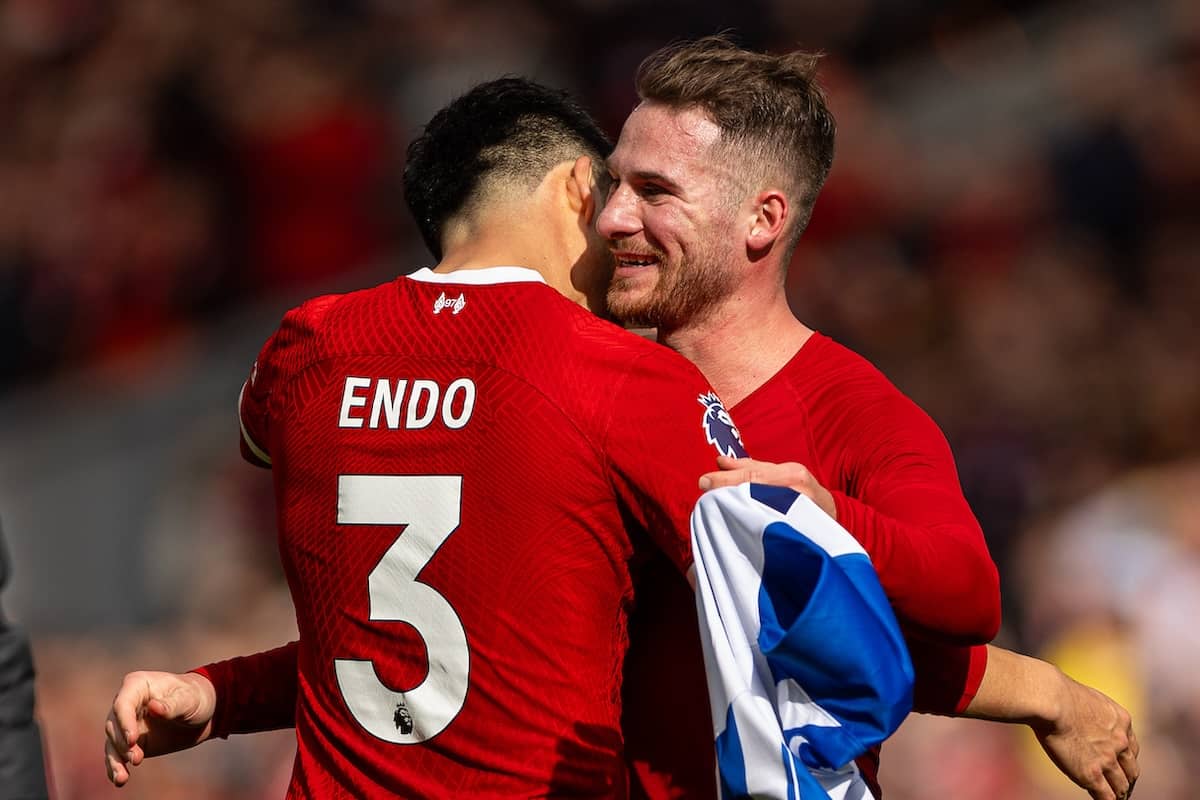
611	342
325	310
309	316
849	388
313	318
594	353
838	368
641	361
302	336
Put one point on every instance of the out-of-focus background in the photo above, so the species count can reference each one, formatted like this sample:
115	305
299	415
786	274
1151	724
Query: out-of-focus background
1011	232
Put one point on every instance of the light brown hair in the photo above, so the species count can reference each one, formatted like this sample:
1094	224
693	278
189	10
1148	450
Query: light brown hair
770	109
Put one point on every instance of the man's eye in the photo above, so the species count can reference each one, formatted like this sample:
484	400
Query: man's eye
652	190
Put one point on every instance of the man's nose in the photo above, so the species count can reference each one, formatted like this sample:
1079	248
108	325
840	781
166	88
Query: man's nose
619	216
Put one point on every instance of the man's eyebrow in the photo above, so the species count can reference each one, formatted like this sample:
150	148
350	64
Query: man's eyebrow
652	176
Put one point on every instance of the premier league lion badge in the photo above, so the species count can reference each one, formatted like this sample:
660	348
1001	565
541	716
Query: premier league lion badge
718	427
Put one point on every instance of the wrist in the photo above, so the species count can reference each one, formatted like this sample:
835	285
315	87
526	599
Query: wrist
1049	706
206	700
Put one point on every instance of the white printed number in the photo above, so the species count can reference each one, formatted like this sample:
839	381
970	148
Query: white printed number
430	506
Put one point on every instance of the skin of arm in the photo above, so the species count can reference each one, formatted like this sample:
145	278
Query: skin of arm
1087	735
155	713
1084	732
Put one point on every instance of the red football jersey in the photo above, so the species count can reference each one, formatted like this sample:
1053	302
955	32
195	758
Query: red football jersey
458	459
893	479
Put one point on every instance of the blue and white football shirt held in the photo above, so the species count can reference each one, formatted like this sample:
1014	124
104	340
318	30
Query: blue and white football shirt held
806	665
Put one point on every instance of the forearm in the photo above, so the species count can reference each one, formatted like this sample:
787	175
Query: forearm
1018	688
1084	732
256	692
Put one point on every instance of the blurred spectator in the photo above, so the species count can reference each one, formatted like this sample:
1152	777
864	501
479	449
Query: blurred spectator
167	162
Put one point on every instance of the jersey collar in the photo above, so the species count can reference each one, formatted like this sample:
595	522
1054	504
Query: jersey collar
479	277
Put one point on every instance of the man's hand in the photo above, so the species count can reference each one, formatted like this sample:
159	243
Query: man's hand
1092	741
789	474
156	713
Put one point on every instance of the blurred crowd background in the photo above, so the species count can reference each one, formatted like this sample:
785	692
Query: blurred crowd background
1011	232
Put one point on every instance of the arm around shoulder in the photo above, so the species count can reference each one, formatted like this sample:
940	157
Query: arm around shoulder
1084	732
903	502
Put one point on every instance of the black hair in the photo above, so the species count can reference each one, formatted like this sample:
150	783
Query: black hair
509	129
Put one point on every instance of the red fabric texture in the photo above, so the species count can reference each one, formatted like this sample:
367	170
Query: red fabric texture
949	675
575	436
254	693
896	488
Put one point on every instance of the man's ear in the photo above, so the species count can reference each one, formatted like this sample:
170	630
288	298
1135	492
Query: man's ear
770	216
581	188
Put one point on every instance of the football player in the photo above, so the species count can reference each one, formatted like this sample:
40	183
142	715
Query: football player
715	176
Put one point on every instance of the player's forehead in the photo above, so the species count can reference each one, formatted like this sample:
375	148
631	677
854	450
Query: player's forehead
660	140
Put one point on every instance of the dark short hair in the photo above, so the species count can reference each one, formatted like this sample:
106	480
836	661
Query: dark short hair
511	129
768	107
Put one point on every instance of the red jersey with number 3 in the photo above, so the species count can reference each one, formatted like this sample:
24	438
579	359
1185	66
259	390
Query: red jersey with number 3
458	459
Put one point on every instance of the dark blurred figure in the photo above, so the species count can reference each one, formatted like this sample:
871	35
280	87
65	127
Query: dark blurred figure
22	769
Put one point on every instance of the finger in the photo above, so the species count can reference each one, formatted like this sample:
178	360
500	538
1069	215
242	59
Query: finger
128	754
121	742
731	462
717	480
1134	747
114	731
160	707
1129	793
114	765
1129	765
113	736
127	706
117	775
1093	779
1117	780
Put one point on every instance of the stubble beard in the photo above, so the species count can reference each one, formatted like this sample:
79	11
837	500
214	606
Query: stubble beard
683	294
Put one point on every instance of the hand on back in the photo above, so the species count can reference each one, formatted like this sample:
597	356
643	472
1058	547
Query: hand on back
1092	742
155	713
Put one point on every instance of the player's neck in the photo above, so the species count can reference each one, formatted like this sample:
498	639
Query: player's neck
740	344
506	245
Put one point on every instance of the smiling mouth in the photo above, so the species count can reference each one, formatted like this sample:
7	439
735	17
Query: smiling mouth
634	260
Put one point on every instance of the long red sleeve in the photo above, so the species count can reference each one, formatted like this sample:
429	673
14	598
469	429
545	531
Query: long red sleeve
948	676
893	480
898	493
254	693
962	604
896	489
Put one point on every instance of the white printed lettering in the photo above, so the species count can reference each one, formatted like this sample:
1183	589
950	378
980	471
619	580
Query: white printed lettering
421	400
389	404
351	400
467	387
417	419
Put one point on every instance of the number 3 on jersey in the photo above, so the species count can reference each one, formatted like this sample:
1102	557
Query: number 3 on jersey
429	505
